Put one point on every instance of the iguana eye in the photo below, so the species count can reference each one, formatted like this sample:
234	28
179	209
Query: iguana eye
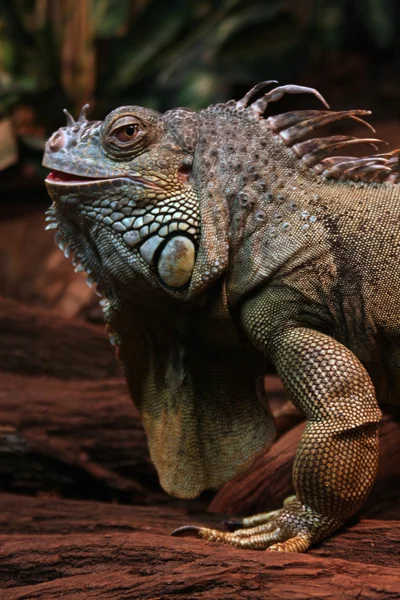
125	130
128	130
126	134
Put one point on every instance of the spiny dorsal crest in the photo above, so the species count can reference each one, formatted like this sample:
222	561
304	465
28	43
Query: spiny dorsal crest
316	153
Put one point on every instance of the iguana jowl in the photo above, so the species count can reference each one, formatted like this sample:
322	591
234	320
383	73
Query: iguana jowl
223	240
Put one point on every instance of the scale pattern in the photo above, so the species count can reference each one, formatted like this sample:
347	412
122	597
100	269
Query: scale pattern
224	240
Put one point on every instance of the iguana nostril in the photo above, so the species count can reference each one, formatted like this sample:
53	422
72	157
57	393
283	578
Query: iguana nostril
57	141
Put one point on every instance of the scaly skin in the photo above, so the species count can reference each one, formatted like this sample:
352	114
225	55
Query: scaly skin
222	241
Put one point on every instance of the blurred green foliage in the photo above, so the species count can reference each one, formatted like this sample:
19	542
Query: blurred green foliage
162	53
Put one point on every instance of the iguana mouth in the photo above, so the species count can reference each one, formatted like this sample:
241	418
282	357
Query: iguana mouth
61	177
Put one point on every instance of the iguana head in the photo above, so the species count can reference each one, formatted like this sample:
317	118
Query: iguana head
126	204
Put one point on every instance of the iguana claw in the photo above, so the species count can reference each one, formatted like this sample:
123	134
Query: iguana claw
234	524
185	530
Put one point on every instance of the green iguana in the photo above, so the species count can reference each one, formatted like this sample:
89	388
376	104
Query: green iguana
223	241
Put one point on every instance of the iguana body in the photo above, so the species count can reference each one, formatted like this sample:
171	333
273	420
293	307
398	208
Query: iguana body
222	241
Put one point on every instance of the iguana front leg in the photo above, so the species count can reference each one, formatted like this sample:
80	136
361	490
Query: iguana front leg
337	459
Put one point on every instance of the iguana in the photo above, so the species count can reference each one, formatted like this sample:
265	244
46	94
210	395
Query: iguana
223	241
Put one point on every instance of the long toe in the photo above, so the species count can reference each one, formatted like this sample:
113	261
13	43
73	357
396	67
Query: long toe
299	543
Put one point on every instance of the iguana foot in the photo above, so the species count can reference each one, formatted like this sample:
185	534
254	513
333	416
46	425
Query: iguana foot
293	528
